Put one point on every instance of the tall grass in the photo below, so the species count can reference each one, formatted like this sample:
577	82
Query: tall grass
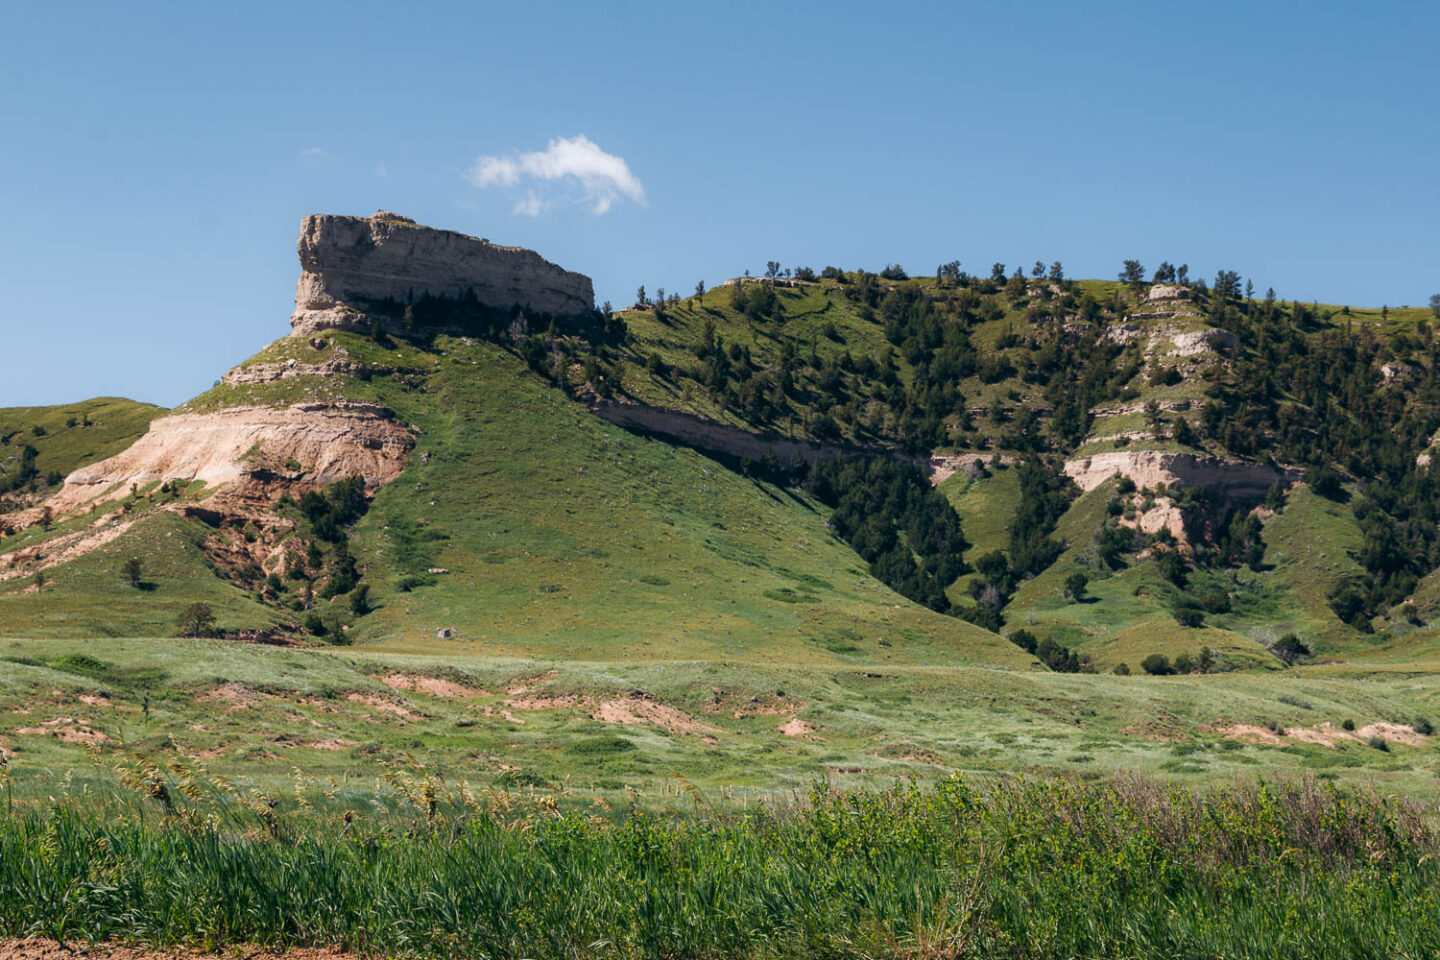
1018	868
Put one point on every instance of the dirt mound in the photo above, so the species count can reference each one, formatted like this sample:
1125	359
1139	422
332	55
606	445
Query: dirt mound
237	695
795	727
740	704
641	708
567	701
1391	733
1325	734
66	730
434	686
1250	733
383	705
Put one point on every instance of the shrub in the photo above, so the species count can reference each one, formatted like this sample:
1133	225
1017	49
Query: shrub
314	625
1347	724
1378	742
1422	726
1295	701
1325	482
1189	617
1025	640
1122	669
1290	648
1157	665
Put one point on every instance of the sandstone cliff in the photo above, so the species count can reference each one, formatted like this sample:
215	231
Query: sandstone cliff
349	263
1234	481
246	450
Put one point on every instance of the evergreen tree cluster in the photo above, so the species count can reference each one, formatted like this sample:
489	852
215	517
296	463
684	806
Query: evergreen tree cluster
902	526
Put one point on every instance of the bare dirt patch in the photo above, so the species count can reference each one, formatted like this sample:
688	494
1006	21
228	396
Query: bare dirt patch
66	730
504	714
642	708
740	704
237	695
383	705
568	701
1324	735
795	727
434	686
1248	732
1391	733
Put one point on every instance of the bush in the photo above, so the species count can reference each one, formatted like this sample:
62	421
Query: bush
1290	648
1422	726
1157	665
1189	617
314	625
1379	743
1025	640
360	600
1325	482
1347	724
1075	585
1122	669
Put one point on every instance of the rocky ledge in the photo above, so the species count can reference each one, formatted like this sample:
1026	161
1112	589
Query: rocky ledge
349	264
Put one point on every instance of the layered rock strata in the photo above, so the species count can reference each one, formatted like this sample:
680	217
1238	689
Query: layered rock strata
246	450
1232	481
350	264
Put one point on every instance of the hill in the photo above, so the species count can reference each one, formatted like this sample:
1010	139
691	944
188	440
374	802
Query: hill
862	522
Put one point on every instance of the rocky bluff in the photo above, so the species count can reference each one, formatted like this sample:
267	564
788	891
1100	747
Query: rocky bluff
349	263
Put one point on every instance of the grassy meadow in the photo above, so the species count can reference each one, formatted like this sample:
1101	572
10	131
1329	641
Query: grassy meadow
1014	868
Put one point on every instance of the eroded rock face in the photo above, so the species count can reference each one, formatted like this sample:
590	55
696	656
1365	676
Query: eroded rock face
1165	292
250	447
1231	481
348	263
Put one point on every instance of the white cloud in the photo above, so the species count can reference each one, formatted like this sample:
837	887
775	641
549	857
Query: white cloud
315	156
602	178
530	205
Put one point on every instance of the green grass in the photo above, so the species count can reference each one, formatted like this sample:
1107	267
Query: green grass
114	424
1032	869
253	713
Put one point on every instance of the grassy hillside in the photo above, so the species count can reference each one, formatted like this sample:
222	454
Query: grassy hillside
559	535
70	436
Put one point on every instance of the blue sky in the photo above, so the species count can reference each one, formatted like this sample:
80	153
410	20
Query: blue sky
156	160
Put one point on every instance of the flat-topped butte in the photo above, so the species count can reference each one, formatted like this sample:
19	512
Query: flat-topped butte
351	264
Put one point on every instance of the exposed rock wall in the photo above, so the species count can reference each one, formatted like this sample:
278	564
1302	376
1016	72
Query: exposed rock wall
250	447
720	438
347	263
1235	481
713	437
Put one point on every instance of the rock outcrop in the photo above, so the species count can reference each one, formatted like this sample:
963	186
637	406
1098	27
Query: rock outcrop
1230	481
349	264
1163	291
250	449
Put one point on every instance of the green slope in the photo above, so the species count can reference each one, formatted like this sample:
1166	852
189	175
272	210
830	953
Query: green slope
72	435
561	535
